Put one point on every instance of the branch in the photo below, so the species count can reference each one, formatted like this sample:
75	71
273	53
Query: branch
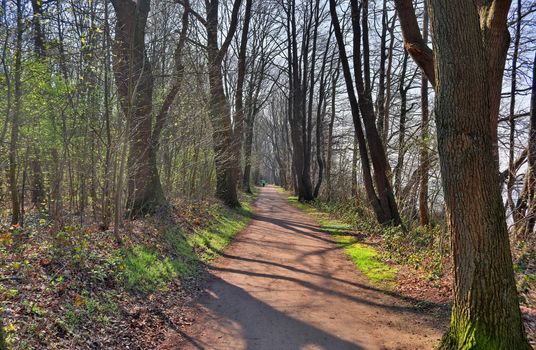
413	41
187	7
162	116
231	32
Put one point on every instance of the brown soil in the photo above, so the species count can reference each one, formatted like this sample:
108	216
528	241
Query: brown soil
285	284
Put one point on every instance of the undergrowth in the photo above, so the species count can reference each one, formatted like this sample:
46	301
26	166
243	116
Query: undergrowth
61	287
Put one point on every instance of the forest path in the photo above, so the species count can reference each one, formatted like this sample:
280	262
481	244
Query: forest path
284	284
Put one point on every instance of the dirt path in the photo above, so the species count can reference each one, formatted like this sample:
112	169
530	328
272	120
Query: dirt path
284	285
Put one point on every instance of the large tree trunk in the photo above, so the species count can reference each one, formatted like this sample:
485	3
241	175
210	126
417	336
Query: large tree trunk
468	43
134	82
486	311
219	109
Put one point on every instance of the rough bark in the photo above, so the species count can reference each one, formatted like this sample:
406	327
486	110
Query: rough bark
134	80
219	109
485	311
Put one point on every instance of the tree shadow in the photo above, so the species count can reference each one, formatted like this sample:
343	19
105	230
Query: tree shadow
418	304
259	325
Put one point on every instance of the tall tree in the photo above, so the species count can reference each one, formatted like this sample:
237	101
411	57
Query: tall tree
134	80
424	161
219	109
379	194
470	45
15	119
239	96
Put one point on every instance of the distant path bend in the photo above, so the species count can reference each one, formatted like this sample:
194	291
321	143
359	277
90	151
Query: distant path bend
284	284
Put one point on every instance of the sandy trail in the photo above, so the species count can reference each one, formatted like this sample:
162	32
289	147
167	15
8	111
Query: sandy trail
284	284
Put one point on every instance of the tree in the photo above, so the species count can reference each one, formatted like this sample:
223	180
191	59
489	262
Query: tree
379	193
424	162
470	47
299	119
15	120
220	111
134	80
239	96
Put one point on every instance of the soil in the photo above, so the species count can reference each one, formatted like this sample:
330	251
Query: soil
286	284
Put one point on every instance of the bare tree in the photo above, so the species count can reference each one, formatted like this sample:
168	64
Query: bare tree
470	43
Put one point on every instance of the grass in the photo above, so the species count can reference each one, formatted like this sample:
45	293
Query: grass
146	269
365	258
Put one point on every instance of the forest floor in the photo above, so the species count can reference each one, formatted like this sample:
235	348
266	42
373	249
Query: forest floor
285	283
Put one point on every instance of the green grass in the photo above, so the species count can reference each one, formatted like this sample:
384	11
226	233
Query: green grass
365	257
146	270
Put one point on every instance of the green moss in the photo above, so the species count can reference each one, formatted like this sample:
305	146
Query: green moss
366	259
473	335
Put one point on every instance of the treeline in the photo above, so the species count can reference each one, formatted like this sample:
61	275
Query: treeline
115	109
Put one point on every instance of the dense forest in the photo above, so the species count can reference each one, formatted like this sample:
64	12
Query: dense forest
137	138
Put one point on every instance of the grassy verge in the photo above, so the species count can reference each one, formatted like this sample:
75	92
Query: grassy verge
364	257
148	269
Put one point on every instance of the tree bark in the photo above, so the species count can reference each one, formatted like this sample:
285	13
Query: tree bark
134	80
401	127
511	120
485	311
239	103
358	129
219	109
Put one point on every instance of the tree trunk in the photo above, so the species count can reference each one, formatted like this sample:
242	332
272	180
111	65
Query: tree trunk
511	120
527	202
297	115
486	311
401	127
219	109
13	144
330	131
239	104
381	195
424	162
358	129
134	82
